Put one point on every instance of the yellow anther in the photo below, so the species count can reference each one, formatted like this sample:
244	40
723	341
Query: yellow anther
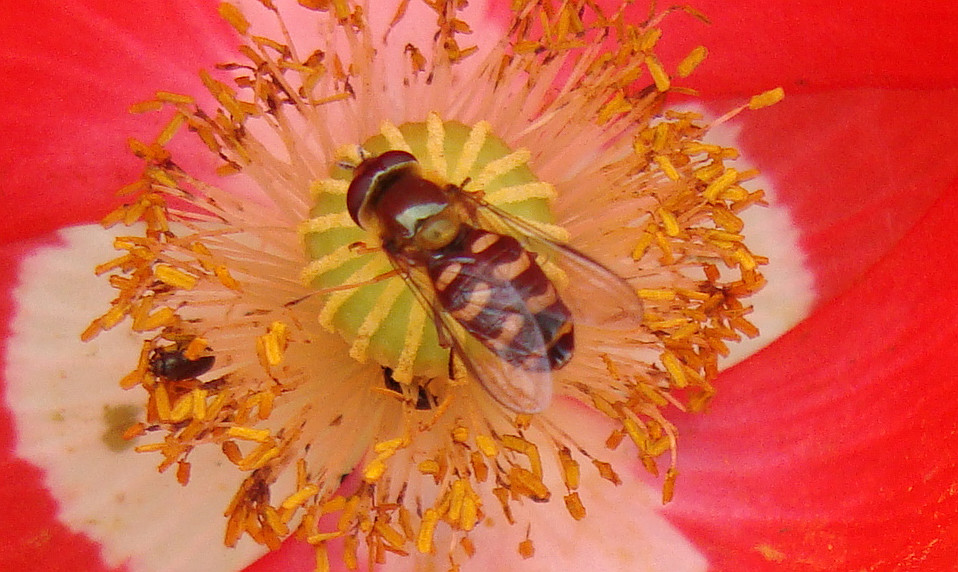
675	369
487	445
692	61
427	529
770	97
249	434
174	277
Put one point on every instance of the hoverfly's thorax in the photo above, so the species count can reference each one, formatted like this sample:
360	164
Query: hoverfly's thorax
407	203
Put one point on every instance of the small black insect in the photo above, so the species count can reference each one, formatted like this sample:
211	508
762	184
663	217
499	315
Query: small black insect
423	401
170	364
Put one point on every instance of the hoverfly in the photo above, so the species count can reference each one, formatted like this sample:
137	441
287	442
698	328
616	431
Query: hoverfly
170	364
476	270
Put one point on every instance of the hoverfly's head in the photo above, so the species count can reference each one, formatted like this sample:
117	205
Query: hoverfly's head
373	176
390	197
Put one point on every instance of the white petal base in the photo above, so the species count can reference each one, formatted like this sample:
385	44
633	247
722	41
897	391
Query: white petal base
70	412
790	294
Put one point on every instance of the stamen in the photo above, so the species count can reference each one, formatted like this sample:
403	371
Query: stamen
692	61
470	150
332	261
661	79
273	344
435	145
500	167
770	97
424	540
374	320
519	193
394	137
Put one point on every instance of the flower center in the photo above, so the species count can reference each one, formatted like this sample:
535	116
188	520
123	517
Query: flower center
380	318
237	359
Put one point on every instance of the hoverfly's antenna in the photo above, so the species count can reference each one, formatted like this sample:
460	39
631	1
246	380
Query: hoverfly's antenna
350	157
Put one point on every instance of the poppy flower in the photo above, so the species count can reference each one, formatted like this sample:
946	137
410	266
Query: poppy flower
798	467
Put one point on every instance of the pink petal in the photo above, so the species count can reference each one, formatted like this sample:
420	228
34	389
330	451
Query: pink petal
623	529
835	448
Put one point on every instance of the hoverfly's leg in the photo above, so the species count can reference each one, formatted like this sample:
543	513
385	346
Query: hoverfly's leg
441	333
390	383
292	303
360	248
373	280
457	368
424	399
475	193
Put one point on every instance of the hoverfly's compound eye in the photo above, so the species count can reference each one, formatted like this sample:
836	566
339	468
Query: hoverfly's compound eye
371	176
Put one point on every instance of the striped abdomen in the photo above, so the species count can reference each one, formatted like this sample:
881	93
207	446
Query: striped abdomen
493	287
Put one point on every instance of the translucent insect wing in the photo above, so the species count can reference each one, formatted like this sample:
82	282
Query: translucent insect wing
595	295
523	390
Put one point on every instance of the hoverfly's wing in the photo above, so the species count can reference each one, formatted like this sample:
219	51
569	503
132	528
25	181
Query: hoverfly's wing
525	388
595	295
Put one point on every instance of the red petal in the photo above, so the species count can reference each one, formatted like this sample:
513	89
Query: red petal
857	169
810	45
837	447
32	537
69	73
818	44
